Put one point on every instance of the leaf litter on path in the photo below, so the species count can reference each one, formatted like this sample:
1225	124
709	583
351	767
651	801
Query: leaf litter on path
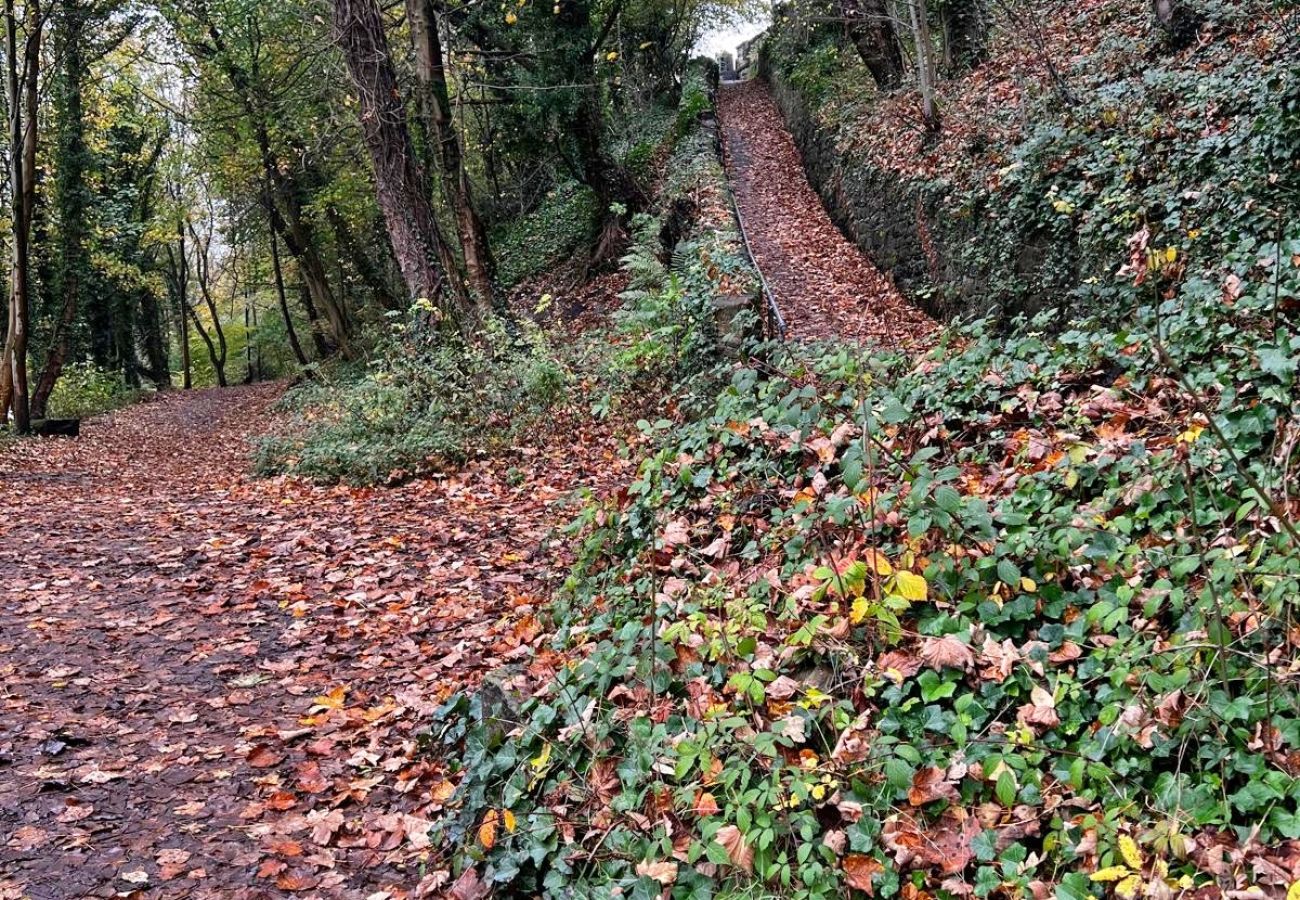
825	286
213	685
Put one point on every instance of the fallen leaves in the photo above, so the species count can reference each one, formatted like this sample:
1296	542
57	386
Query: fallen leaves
663	872
825	287
234	671
738	850
946	653
860	871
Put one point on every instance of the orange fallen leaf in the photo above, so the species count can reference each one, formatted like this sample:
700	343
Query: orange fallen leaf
487	832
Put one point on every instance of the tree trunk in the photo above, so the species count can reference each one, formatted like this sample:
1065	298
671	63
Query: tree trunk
71	196
203	274
24	101
323	349
278	271
399	179
1177	22
871	29
966	32
925	68
178	281
365	266
153	331
187	362
435	105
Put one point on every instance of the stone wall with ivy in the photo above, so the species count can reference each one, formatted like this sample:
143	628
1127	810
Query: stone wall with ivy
1033	206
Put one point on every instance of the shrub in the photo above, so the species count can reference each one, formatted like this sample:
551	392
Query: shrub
84	390
418	408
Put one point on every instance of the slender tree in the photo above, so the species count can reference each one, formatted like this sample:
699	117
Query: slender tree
440	128
925	65
22	92
278	272
204	276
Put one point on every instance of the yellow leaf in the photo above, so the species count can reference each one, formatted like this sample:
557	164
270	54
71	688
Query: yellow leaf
1129	887
511	18
487	832
611	56
1293	892
1128	849
1111	873
509	818
1028	585
876	560
541	764
912	587
859	612
1191	435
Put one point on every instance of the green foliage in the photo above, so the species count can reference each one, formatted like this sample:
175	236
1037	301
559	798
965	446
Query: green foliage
562	224
1083	575
1031	577
418	408
85	391
670	316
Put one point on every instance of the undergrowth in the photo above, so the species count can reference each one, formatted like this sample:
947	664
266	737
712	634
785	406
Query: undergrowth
83	391
1012	619
418	407
562	224
1002	619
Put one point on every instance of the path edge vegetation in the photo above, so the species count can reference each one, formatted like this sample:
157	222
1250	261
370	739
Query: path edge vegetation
1013	618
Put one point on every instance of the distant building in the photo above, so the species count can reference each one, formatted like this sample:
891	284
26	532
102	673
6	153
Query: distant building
727	65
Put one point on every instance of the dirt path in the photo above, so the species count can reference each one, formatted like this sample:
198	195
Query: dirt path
825	287
211	686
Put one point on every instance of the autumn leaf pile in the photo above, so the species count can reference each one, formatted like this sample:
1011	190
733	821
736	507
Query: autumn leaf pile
825	286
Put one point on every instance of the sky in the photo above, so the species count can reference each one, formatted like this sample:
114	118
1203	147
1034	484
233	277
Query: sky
728	38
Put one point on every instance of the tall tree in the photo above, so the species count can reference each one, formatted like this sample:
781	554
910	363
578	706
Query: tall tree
218	349
399	179
22	92
253	99
435	105
277	271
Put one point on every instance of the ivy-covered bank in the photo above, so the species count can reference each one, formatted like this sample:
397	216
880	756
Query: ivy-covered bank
1032	191
1016	618
984	623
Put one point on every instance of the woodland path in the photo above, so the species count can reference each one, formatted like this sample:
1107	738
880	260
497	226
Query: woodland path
825	287
211	685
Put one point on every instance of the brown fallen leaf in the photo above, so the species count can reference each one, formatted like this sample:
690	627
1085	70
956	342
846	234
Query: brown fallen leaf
469	886
263	757
931	784
946	653
663	872
738	850
860	871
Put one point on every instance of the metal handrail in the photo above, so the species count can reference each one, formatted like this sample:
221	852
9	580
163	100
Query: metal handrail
768	294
